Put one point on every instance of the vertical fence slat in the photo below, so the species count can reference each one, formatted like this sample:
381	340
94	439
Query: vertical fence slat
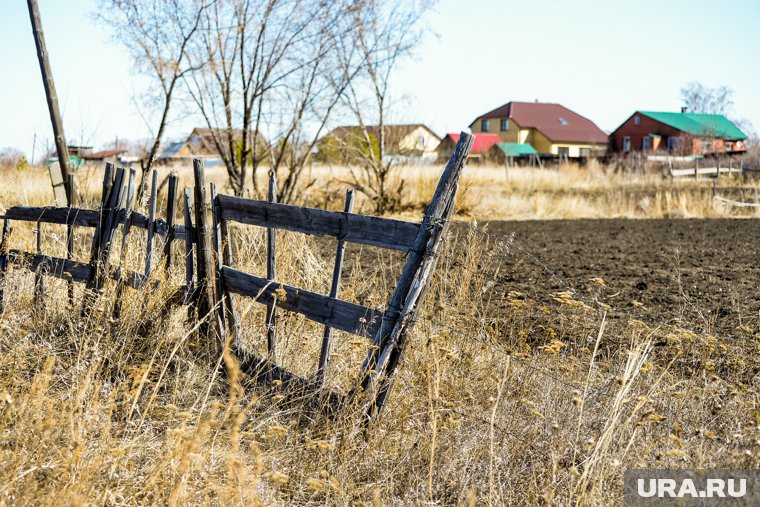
326	350
151	223
170	212
217	246
205	267
39	284
123	252
229	305
107	182
73	199
271	317
189	278
4	259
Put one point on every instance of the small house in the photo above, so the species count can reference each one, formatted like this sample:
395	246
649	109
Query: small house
402	143
681	133
479	153
202	143
551	129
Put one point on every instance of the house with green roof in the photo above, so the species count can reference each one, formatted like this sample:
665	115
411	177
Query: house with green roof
681	133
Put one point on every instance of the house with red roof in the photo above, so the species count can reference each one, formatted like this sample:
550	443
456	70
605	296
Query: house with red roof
479	151
551	129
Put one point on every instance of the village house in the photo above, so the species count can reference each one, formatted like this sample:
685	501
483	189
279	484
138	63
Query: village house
200	144
681	133
551	129
479	153
403	143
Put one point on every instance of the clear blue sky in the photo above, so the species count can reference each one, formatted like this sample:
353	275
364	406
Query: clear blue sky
603	59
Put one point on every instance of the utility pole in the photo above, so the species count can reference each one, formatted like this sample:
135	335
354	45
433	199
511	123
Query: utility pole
52	97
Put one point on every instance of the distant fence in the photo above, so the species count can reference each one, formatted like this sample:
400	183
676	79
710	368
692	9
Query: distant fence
210	277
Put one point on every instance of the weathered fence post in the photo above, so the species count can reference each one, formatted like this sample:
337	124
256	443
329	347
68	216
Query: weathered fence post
189	234
4	259
39	283
398	317
271	317
151	227
171	199
326	350
205	266
127	224
70	236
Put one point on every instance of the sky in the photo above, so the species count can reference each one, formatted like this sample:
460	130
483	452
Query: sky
603	59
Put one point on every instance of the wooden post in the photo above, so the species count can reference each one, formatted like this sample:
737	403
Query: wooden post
170	204
324	354
52	97
389	330
189	278
205	266
105	190
229	306
39	283
221	314
271	318
4	259
70	237
123	252
151	228
102	241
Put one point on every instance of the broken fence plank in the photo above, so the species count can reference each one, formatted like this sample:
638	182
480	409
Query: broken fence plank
350	227
336	313
60	268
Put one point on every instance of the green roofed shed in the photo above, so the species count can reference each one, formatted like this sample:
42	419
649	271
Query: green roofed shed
696	124
517	149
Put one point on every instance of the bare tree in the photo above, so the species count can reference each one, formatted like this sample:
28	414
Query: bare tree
387	32
157	33
701	99
270	67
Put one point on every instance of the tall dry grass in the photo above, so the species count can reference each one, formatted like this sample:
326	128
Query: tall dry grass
501	399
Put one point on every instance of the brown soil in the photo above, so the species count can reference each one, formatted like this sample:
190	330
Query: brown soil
702	271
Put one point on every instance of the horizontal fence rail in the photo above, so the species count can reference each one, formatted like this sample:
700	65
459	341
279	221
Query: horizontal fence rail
350	227
336	313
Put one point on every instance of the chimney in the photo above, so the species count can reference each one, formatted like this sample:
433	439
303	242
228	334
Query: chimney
684	109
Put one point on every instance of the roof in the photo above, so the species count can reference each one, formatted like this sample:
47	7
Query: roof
516	149
482	142
393	133
100	155
555	121
698	124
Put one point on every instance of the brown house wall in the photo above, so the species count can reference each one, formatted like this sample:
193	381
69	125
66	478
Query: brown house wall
638	132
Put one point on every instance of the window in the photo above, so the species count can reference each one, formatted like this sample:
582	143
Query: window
485	125
563	151
562	121
636	120
646	143
673	143
421	143
504	124
626	144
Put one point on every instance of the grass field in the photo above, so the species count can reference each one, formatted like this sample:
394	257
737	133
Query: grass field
504	396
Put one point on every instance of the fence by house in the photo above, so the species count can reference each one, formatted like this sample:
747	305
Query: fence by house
211	278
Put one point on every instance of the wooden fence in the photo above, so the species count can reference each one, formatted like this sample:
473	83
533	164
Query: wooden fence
211	278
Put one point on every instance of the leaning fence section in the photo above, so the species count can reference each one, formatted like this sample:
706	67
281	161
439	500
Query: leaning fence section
211	278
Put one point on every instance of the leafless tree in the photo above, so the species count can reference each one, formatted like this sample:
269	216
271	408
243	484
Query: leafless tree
157	34
269	67
702	99
387	32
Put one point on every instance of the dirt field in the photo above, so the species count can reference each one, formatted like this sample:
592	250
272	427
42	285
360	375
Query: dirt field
702	271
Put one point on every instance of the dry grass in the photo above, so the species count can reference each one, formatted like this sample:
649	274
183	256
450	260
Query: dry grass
500	399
